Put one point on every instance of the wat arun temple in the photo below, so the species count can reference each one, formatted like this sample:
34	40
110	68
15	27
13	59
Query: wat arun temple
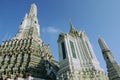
27	57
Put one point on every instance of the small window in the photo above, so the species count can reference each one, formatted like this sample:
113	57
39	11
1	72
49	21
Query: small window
72	49
63	50
21	23
35	21
107	57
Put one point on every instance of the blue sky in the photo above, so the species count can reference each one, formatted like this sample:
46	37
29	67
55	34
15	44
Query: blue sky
95	17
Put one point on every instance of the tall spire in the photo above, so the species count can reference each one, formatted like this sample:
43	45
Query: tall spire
29	26
112	67
72	28
33	10
102	44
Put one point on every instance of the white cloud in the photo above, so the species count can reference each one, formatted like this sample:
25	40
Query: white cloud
51	30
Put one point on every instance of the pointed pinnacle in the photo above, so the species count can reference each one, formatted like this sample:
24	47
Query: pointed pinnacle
102	44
